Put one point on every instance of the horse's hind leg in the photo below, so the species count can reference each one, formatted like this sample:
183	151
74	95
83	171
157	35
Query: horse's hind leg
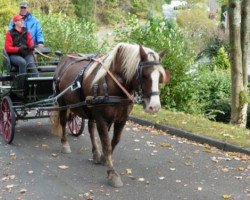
64	141
95	148
113	177
118	127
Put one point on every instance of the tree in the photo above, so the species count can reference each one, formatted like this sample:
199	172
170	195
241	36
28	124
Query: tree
239	41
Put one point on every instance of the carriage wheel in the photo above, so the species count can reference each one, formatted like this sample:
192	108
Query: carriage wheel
76	125
8	119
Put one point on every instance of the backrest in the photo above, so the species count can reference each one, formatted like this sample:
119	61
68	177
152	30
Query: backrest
6	63
6	60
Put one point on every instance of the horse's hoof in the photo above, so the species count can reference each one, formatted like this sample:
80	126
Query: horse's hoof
114	179
97	158
104	162
66	148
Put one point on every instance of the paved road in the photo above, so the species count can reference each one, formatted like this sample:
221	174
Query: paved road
154	166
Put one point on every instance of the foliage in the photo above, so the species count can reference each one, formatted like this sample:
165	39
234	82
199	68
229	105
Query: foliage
84	9
68	34
221	61
212	88
108	12
159	35
7	10
53	6
213	45
199	27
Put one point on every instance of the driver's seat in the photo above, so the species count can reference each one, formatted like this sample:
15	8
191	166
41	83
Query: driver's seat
6	63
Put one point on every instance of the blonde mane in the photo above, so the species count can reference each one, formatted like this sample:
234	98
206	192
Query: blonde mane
130	55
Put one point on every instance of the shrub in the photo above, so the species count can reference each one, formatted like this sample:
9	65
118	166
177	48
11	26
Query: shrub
68	34
199	27
158	34
213	90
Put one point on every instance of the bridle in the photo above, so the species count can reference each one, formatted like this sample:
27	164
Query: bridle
139	92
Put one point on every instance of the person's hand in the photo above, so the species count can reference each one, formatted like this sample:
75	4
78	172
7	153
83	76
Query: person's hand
40	45
23	50
31	48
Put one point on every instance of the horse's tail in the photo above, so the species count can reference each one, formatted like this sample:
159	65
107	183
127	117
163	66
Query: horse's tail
56	127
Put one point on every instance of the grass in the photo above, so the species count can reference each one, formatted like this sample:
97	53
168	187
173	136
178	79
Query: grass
198	125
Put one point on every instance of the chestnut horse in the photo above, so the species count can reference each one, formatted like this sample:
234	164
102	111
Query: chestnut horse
107	85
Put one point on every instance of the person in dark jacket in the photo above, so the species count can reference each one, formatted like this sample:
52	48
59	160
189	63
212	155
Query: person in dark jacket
31	23
19	46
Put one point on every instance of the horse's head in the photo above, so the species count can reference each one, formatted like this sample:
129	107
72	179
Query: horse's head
150	74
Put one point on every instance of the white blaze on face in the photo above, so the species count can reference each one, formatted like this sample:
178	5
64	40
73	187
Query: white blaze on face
153	104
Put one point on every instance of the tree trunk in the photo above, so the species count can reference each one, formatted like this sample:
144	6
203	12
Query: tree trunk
239	92
245	37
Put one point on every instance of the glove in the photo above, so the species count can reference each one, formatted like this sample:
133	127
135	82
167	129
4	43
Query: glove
23	50
31	48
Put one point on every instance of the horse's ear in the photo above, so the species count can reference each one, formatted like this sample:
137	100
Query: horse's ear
167	74
143	54
162	54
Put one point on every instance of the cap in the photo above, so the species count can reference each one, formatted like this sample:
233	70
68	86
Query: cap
17	17
24	4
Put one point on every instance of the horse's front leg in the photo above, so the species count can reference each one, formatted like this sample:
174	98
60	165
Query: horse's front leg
64	141
114	178
95	148
118	127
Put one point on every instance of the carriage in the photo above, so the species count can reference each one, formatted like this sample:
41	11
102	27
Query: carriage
26	97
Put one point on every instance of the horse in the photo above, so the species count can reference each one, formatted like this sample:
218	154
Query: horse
105	95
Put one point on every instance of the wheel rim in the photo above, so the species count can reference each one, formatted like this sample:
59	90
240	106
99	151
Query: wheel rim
76	125
7	120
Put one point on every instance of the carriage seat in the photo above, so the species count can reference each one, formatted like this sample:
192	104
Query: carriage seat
6	63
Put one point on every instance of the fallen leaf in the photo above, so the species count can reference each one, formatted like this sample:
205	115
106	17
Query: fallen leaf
128	171
63	167
241	168
188	164
225	169
141	179
5	179
9	186
13	156
163	144
227	196
22	191
12	177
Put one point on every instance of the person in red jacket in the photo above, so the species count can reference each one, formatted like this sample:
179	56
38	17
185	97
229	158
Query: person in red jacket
19	46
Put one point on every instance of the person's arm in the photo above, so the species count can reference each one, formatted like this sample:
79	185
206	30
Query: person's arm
9	47
39	34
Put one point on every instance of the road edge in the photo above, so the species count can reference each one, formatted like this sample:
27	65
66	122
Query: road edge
188	135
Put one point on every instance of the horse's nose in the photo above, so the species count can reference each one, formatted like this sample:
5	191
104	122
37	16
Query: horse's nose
154	109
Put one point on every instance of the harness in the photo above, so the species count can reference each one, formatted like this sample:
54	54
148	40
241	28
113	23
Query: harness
96	100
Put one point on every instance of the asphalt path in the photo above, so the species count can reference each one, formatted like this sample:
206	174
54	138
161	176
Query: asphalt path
153	165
